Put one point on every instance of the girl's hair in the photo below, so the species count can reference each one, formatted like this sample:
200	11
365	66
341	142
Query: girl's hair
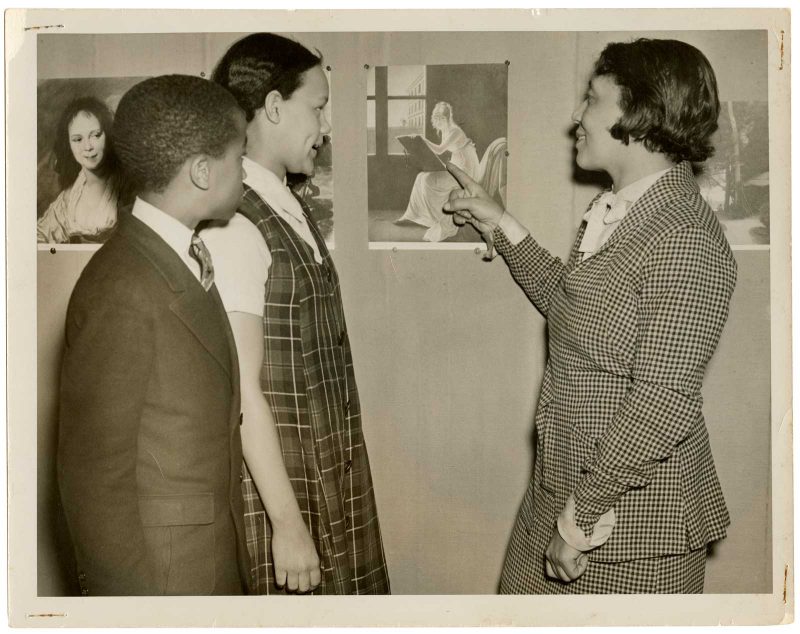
260	63
668	96
65	164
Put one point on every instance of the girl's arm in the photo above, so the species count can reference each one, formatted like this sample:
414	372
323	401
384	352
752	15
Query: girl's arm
294	555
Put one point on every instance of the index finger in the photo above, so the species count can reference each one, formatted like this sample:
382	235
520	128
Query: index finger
461	176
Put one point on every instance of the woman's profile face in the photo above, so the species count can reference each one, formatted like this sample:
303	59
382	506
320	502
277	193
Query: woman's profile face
438	117
87	140
597	114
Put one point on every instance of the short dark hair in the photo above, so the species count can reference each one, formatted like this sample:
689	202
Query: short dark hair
64	161
260	63
668	97
163	121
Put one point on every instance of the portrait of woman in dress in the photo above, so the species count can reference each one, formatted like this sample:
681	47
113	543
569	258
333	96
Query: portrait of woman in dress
431	189
85	210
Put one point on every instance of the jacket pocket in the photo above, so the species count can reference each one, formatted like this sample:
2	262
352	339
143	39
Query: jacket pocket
179	530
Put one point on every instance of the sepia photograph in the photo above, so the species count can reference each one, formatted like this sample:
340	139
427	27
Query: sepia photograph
547	355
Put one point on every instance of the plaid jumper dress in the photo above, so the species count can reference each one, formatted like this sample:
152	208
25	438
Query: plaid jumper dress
310	386
619	422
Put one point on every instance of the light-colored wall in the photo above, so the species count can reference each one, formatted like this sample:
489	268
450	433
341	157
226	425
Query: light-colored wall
449	354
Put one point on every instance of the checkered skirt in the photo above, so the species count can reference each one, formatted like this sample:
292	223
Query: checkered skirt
309	383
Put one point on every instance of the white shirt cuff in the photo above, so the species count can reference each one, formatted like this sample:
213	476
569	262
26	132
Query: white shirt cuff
511	227
575	537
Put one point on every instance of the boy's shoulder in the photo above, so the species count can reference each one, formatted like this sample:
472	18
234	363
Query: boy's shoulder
118	272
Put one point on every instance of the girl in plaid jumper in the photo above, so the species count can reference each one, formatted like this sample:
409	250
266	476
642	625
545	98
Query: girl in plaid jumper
310	514
625	496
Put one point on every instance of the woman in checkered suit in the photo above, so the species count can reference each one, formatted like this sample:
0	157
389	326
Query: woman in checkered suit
310	513
625	496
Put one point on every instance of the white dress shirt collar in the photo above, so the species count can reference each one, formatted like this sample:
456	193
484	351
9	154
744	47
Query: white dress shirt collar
608	211
618	203
633	192
176	234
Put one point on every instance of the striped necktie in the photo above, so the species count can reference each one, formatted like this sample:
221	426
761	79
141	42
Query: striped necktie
200	253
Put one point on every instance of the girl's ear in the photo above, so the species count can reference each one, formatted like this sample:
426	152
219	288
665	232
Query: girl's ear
272	106
199	171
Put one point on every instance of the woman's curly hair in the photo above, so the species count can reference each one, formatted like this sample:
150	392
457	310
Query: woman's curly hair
669	97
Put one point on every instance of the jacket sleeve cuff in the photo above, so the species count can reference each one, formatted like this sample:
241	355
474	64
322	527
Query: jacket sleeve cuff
575	537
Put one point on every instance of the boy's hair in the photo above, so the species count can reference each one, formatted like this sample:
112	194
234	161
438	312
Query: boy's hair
163	121
668	96
64	161
260	63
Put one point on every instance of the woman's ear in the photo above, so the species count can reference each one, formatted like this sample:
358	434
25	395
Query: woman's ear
272	106
199	171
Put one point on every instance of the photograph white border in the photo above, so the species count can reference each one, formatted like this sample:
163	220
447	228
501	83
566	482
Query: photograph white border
26	609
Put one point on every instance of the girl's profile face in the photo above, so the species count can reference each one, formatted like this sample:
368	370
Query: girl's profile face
87	140
306	124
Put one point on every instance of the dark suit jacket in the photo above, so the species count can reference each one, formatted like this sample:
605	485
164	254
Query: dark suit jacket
149	452
630	330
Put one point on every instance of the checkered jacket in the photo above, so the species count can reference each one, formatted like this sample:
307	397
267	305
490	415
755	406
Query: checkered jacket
309	383
630	331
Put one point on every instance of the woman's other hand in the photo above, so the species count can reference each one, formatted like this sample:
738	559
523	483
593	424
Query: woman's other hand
562	561
472	204
295	558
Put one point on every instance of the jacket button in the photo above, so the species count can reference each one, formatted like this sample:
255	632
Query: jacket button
85	592
82	577
241	478
348	464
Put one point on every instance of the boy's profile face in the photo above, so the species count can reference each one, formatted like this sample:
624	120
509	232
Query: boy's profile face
598	112
226	176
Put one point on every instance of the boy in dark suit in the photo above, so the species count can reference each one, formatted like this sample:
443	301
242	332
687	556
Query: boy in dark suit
149	449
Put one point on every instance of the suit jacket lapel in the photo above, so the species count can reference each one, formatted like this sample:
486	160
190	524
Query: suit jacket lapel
198	310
